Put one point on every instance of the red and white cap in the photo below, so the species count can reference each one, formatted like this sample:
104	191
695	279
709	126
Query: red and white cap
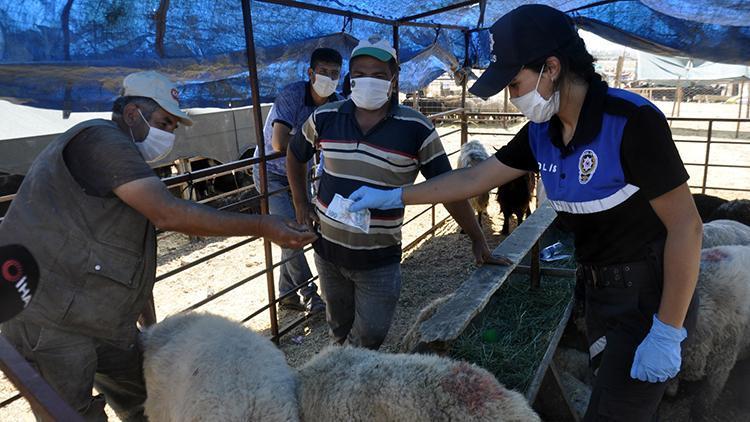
154	85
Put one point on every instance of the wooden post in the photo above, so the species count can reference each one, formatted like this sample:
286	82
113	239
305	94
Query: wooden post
618	70
674	105
536	276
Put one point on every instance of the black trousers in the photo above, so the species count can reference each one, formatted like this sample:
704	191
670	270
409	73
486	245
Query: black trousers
620	302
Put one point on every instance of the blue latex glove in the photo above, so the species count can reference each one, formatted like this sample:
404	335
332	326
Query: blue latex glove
366	197
658	357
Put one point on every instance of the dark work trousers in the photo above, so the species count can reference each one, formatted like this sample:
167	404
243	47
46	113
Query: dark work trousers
72	364
620	302
359	303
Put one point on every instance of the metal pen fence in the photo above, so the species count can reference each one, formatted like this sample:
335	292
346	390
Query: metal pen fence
276	332
447	119
455	107
708	139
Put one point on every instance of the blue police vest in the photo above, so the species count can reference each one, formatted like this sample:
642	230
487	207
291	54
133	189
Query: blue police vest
590	179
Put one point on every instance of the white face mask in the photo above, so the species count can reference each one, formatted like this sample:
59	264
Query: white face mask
370	93
157	145
324	86
534	106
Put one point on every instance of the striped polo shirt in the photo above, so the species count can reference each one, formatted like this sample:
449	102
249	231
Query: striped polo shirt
390	155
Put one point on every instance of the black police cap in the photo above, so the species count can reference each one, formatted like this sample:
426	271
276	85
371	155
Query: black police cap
521	36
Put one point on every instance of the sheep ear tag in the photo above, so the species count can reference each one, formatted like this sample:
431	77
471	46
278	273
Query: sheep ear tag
587	165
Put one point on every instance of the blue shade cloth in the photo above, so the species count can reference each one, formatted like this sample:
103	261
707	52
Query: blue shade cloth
73	54
672	69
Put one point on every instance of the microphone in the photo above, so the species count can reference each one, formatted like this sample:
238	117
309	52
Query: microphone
19	276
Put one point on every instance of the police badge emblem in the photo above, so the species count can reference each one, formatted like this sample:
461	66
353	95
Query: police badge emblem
587	164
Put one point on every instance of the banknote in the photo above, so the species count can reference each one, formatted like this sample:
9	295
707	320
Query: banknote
338	210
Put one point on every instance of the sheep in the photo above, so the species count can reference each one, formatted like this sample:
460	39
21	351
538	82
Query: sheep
721	336
203	367
411	342
707	204
725	232
737	210
515	198
473	153
352	384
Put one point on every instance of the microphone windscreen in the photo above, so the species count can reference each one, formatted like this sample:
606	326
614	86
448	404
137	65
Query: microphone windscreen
19	276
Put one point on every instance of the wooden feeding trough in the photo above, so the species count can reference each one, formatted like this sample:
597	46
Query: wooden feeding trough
481	297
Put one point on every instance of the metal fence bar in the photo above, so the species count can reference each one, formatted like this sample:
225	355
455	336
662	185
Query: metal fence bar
731	166
722	189
43	399
698	141
421	213
427	233
234	165
252	66
708	153
205	258
10	400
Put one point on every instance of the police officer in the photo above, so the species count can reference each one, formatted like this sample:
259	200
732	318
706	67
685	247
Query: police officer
613	174
87	210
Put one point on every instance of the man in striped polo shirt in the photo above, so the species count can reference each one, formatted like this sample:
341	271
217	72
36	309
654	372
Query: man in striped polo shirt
368	140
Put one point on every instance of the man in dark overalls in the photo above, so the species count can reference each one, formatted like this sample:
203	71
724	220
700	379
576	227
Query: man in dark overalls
87	210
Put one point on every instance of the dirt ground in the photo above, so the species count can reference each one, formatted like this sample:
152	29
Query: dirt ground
438	265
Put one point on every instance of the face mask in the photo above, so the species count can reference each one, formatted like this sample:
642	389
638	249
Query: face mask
157	145
535	107
324	86
370	93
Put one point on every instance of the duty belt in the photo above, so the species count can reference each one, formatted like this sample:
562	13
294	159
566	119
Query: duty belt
616	275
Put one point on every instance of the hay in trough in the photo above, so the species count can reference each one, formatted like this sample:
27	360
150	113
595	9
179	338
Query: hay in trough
509	338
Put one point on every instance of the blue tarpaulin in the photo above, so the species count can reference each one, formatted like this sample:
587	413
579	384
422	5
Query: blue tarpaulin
73	54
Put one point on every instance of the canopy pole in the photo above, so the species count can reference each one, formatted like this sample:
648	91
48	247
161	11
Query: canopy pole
739	109
398	59
252	67
355	15
464	121
438	11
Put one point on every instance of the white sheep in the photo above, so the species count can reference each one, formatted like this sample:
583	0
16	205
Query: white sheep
721	336
412	339
352	384
202	367
725	232
472	153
